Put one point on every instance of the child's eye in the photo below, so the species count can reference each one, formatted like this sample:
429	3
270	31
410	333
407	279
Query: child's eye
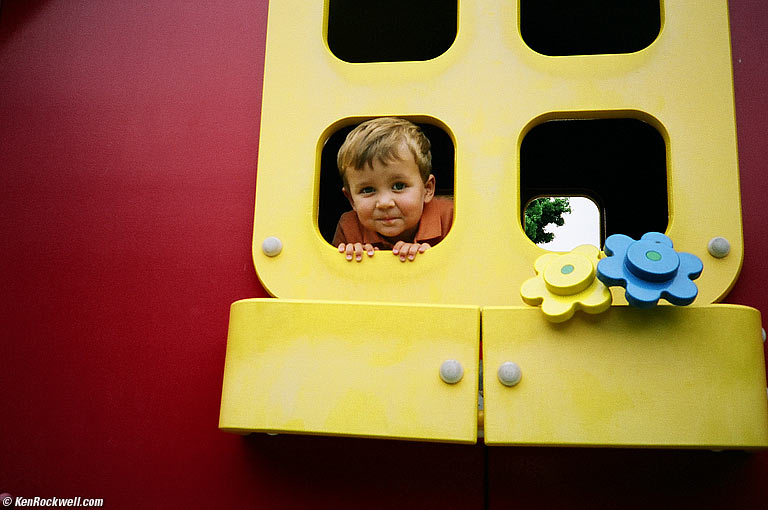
367	190
398	186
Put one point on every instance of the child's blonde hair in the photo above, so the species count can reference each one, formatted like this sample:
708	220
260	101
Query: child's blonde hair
382	139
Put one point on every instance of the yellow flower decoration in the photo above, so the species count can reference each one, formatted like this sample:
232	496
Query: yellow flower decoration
565	283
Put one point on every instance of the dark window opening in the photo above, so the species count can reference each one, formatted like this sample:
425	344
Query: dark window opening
589	27
332	203
621	164
391	30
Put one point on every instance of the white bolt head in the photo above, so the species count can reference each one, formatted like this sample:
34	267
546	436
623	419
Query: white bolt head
762	330
272	246
719	247
451	371
509	373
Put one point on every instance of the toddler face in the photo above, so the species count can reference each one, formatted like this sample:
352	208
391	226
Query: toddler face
389	197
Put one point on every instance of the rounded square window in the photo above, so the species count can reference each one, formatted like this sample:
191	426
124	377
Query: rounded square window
391	30
618	163
589	27
332	203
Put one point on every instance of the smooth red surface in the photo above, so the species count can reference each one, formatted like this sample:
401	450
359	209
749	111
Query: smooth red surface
128	148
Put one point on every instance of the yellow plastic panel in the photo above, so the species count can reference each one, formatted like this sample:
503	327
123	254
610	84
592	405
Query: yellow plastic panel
667	377
351	369
487	90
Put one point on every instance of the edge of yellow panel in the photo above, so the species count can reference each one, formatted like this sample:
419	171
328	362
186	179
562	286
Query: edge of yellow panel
350	369
628	378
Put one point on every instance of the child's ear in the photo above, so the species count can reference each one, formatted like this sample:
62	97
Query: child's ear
349	196
429	188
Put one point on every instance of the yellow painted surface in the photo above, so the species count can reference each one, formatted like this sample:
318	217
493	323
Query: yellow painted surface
487	91
351	369
667	377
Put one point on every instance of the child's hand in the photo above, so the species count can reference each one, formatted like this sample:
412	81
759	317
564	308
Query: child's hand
409	250
356	250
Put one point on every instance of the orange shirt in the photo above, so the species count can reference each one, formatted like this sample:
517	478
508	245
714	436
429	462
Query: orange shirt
436	221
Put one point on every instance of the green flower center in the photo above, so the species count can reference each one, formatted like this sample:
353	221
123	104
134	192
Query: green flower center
653	255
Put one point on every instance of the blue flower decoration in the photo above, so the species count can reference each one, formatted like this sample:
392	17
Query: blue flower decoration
650	269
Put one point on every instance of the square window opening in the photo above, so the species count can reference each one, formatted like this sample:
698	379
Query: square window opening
589	27
332	203
619	163
392	30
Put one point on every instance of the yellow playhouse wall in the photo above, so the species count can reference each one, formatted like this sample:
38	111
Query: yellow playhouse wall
487	90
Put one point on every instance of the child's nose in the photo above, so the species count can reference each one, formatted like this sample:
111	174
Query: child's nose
385	201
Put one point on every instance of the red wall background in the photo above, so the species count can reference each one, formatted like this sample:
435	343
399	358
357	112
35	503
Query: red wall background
128	149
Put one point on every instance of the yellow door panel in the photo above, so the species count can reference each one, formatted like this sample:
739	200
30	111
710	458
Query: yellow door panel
667	377
351	369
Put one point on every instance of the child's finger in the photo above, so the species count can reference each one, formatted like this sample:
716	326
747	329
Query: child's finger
349	251
369	249
405	252
358	251
397	247
424	247
412	251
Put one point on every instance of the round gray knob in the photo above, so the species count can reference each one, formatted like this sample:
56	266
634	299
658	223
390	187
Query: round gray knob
719	247
509	373
272	246
451	371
